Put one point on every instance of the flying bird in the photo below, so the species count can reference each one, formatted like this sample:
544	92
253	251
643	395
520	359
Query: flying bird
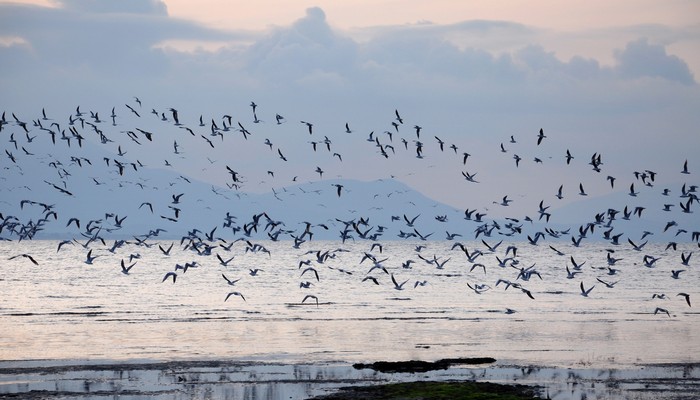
397	286
585	292
125	269
310	296
339	187
234	294
27	256
230	282
169	275
662	310
541	136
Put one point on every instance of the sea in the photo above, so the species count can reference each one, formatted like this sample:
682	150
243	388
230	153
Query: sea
64	314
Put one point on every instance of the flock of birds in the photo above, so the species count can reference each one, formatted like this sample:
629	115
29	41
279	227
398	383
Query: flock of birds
25	142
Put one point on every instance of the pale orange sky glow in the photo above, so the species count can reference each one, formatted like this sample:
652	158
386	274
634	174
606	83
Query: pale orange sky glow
347	14
547	14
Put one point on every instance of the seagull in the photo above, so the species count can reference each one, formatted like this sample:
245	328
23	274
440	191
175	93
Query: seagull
569	157
609	285
469	177
339	188
685	168
541	136
224	262
505	202
150	206
662	310
632	192
635	246
398	117
686	296
585	292
229	281
685	259
310	296
61	244
234	294
169	275
478	288
558	252
675	273
164	251
612	181
571	275
312	269
398	286
478	265
612	260
409	222
125	269
649	261
464	160
527	292
89	258
27	256
581	191
309	125
370	278
176	198
577	266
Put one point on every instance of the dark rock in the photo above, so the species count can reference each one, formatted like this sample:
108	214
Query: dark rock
422	366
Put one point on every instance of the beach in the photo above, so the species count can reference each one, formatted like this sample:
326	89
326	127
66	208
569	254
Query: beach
273	381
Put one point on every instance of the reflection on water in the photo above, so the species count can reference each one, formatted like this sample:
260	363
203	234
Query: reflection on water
64	309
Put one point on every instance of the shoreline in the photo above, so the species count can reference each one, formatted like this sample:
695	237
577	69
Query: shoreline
185	379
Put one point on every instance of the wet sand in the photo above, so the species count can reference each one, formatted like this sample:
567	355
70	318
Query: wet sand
223	379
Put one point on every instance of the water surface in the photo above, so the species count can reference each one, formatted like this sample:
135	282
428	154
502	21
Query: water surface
65	311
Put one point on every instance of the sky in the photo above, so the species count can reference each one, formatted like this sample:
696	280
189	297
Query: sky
618	78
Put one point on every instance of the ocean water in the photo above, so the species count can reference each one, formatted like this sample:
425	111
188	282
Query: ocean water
64	309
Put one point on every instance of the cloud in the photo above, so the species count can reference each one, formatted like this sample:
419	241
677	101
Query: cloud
641	59
90	49
483	66
149	7
308	46
124	41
